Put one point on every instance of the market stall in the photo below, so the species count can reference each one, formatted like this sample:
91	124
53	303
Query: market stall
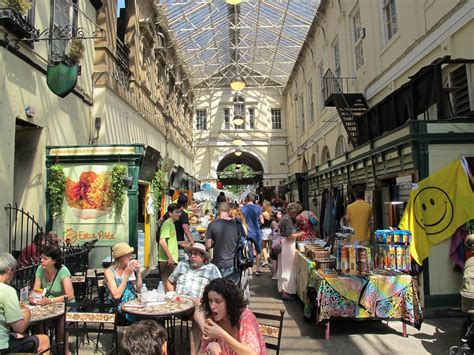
359	282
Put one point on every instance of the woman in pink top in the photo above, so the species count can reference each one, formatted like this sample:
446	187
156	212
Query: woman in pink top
230	328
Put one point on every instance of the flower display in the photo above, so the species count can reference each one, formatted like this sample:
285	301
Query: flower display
92	191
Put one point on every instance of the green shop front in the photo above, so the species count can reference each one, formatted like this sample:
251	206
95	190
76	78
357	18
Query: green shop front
106	197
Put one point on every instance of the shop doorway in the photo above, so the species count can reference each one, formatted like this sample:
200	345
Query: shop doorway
145	242
28	179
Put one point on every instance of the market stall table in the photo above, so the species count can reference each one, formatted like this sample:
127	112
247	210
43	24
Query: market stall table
166	311
381	295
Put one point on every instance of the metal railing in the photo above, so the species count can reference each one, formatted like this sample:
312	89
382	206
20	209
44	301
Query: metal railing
22	228
336	85
122	53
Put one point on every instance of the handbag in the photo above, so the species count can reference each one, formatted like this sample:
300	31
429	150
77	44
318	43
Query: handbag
276	242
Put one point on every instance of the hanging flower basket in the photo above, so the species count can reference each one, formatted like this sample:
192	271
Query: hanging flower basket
118	189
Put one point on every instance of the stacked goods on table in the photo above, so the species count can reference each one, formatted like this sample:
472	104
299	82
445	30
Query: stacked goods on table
321	256
354	259
392	250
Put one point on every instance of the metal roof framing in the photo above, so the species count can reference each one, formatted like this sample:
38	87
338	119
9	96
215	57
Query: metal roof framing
259	38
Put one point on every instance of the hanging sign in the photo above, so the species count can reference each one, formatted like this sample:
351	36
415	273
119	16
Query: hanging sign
61	78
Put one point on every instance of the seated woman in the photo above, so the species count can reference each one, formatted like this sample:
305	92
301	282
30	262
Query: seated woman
230	328
123	277
55	279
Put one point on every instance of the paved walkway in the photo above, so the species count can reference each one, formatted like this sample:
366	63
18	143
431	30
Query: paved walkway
354	337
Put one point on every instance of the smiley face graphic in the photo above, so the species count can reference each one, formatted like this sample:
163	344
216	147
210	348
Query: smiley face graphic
436	212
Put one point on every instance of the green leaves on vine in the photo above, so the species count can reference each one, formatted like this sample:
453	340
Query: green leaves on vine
158	185
56	188
118	190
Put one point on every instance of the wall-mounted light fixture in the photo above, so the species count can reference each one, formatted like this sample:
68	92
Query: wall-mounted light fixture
233	2
238	152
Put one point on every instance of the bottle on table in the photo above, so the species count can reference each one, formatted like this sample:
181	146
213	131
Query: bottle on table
161	288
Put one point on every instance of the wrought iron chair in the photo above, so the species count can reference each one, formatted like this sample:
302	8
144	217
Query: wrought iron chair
271	327
93	317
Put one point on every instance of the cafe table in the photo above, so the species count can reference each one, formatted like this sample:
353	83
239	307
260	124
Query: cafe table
166	312
384	294
40	314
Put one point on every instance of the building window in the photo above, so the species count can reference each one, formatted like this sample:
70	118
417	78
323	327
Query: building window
340	146
201	120
390	18
30	17
302	127
322	85
239	110
251	118
64	13
276	118
226	118
310	102
357	36
336	58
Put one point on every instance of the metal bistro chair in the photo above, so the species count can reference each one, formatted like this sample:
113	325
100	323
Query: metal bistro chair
271	327
94	318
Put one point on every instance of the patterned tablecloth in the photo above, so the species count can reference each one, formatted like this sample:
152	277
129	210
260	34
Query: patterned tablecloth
303	267
383	296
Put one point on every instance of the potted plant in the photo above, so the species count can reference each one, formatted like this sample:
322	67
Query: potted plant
56	188
117	188
158	185
76	50
13	18
20	6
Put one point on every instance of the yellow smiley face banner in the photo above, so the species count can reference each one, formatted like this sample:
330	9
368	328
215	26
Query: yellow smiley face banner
442	203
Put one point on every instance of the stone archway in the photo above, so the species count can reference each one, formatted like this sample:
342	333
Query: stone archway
247	158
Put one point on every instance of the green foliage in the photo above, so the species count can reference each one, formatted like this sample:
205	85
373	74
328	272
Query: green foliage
158	185
232	171
76	49
118	189
56	188
22	6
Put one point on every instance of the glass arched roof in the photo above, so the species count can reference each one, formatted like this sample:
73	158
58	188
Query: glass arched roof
258	39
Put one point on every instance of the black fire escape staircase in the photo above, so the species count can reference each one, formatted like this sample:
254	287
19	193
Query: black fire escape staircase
348	105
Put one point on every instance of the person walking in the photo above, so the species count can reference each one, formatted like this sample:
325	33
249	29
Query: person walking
254	218
183	233
222	236
168	246
359	215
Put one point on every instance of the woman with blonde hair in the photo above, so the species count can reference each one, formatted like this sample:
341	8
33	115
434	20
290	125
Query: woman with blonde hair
266	228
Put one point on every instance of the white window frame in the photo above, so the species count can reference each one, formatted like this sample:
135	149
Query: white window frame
227	118
251	117
390	19
310	101
336	58
302	118
357	37
322	85
201	125
276	118
239	108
